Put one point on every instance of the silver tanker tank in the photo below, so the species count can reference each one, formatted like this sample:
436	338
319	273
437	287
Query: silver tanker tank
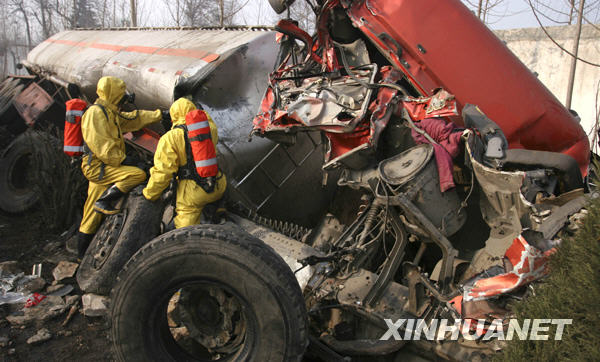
226	70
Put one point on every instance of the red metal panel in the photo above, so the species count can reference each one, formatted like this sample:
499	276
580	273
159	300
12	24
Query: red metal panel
445	45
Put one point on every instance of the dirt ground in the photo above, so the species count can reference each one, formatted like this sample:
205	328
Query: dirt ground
83	338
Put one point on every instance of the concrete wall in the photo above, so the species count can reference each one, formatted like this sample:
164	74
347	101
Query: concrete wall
552	65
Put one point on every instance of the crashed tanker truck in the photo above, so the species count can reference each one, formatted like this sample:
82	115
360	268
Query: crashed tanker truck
379	170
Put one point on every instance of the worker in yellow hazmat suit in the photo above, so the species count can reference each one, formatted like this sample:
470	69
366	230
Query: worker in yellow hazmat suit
110	172
170	156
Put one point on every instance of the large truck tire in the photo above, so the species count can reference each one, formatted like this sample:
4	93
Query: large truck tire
17	187
118	238
243	300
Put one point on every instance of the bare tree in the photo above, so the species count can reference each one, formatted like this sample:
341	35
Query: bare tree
42	12
228	9
20	7
133	12
302	12
175	9
489	11
203	12
193	12
555	13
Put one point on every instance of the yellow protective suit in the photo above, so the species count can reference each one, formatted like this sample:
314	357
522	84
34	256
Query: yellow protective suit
169	157
104	137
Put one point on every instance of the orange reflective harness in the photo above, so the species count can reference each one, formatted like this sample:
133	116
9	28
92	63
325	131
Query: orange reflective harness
189	171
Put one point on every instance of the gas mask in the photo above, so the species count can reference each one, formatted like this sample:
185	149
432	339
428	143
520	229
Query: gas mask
127	98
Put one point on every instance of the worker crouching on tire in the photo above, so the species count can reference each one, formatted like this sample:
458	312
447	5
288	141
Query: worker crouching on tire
111	174
200	182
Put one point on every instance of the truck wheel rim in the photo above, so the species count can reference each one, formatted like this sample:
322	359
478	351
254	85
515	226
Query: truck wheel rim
108	238
208	321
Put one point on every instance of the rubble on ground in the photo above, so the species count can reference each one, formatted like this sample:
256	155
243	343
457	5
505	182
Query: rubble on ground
64	270
54	288
65	333
41	336
15	288
34	285
9	267
94	305
71	299
49	308
59	290
74	337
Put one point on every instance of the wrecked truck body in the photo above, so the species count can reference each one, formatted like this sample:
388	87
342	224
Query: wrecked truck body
399	169
505	186
223	69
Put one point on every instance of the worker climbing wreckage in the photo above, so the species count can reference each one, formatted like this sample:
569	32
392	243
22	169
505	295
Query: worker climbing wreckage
111	173
188	151
391	176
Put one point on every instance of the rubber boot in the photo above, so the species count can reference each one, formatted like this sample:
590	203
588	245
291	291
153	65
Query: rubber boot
83	241
106	204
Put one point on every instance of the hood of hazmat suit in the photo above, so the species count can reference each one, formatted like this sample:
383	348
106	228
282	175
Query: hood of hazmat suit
169	157
104	137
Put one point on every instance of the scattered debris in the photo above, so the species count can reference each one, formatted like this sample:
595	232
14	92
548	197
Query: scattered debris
53	288
35	284
71	313
16	288
12	298
34	300
4	341
9	267
64	270
94	305
65	333
41	336
49	308
17	320
71	299
37	270
12	351
61	291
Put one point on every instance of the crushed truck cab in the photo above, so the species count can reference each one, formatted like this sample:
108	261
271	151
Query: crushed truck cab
399	164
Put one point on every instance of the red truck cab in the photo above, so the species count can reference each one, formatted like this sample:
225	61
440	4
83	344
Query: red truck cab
442	44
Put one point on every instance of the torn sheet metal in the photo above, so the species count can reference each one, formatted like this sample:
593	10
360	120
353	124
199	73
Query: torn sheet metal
441	104
332	104
527	264
502	204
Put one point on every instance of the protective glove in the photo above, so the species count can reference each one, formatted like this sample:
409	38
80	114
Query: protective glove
166	120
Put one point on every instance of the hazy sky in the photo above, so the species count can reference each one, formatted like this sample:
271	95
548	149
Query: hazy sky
512	14
508	14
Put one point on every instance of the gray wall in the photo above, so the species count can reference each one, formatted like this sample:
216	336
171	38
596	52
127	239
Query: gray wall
552	65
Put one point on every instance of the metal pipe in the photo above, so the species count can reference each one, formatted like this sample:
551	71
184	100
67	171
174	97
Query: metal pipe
420	253
71	89
574	59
